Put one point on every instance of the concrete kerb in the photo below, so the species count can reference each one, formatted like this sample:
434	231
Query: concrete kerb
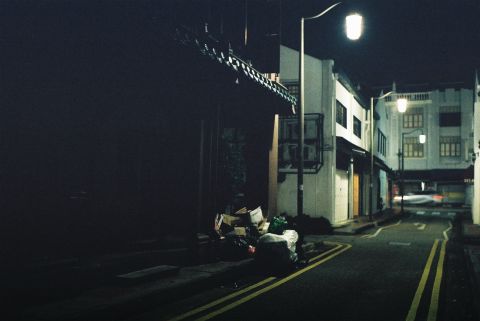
352	230
470	232
391	217
114	302
352	227
473	268
470	238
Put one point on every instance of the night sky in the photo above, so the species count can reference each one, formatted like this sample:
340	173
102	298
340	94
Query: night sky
407	41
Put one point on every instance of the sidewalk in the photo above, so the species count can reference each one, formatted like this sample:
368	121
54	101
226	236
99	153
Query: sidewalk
362	223
122	296
471	247
470	232
115	300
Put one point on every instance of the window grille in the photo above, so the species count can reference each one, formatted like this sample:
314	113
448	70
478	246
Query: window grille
413	118
341	114
412	147
313	143
450	146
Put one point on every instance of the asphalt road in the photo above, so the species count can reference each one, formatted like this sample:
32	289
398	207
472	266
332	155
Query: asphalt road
390	273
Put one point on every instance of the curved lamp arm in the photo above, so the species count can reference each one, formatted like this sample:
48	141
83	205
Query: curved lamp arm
323	12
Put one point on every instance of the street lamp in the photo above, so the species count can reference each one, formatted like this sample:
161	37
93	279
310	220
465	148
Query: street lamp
422	139
402	107
354	30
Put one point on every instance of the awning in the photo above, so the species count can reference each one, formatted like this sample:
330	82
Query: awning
346	150
361	155
381	164
346	147
440	175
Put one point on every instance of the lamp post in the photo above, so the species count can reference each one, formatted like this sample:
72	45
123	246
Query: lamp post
402	107
354	30
401	153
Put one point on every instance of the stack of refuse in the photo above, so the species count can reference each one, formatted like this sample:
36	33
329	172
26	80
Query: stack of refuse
239	232
246	233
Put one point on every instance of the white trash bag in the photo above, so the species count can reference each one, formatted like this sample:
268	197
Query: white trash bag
292	237
277	249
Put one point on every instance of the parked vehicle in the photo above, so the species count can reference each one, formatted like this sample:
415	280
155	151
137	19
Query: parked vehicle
420	198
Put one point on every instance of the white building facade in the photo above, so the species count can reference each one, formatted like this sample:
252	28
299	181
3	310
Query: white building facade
476	154
444	162
336	154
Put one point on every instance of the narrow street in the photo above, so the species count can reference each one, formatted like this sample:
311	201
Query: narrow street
390	273
240	160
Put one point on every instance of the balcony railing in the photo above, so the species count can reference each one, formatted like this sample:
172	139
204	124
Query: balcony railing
419	96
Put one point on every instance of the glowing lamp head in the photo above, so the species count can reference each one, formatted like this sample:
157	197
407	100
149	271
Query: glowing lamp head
354	26
422	138
402	105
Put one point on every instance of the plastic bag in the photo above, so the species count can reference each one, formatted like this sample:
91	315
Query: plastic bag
292	237
278	225
277	250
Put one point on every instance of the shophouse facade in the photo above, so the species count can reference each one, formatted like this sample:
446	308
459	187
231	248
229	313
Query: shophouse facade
444	162
476	153
337	151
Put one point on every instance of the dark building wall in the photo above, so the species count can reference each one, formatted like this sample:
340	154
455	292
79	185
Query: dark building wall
101	121
91	148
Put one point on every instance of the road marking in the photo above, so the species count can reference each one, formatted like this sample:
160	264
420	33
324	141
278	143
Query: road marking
400	243
247	289
448	229
451	214
420	212
435	213
421	286
369	236
221	300
420	226
432	311
270	287
313	259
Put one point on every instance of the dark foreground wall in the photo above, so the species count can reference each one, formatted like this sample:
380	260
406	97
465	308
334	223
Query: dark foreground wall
110	131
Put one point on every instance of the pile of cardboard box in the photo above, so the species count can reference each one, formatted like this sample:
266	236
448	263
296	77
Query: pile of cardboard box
243	222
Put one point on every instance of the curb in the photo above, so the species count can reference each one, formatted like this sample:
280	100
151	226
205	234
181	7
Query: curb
99	305
473	267
345	230
355	230
391	218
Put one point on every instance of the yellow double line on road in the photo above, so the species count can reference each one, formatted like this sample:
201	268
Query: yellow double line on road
322	258
433	308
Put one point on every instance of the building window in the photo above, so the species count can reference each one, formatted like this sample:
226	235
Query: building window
450	146
357	127
412	147
413	118
341	114
293	89
450	119
382	143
